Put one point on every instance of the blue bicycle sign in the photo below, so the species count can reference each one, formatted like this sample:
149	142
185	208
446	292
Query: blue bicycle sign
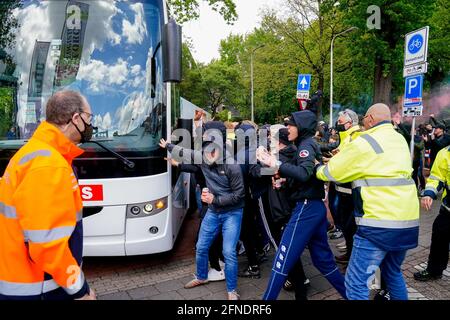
415	44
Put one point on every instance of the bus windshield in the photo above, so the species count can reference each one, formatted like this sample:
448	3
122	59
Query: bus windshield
109	50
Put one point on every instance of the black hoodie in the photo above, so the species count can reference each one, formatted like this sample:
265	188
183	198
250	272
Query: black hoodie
301	180
279	198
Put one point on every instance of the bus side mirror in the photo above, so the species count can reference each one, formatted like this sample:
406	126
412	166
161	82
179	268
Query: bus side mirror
171	46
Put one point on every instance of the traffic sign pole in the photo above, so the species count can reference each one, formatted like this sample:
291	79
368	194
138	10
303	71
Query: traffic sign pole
415	65
413	133
303	87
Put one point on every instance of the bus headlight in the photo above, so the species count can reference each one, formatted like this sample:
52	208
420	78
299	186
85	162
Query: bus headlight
148	208
135	210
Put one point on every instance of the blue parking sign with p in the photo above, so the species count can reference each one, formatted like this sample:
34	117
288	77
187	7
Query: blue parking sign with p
413	91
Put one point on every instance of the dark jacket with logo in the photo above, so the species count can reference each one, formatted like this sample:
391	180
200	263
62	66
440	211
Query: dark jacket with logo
224	180
301	180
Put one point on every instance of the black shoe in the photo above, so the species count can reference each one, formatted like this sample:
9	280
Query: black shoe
424	275
251	272
382	295
262	257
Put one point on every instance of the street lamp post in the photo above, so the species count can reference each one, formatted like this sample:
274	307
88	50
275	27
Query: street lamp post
331	71
251	76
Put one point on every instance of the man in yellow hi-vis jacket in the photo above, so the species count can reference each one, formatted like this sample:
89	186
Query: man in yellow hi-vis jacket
440	238
386	206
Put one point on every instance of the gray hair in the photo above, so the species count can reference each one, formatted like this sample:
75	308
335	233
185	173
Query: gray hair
63	105
350	115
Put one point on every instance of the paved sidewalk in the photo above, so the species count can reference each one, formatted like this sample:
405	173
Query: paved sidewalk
163	278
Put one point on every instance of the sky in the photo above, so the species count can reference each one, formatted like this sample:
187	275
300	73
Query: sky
206	32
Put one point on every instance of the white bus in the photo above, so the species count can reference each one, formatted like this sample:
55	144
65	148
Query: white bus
125	57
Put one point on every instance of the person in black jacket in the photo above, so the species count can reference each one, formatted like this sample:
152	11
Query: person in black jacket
245	154
437	141
308	223
280	209
225	199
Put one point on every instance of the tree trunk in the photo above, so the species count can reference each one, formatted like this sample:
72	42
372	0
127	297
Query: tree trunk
382	85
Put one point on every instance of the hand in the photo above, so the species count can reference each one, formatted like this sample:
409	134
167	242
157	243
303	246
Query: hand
90	296
266	158
426	203
316	162
277	182
207	197
425	138
325	160
173	162
163	143
432	115
335	151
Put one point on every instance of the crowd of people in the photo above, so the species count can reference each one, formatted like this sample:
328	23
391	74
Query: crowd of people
280	202
257	188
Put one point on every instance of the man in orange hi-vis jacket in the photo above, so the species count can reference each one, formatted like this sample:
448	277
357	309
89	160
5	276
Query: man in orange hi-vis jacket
41	208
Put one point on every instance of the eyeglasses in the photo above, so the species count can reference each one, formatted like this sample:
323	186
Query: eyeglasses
89	114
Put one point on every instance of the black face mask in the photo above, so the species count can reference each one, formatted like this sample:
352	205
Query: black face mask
86	135
340	127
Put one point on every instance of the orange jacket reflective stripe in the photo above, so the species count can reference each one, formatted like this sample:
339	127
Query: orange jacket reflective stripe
40	204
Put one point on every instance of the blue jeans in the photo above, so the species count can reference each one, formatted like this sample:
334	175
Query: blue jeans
307	226
365	260
198	198
230	223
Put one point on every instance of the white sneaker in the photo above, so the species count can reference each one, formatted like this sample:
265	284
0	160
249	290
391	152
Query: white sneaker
222	264
233	295
214	275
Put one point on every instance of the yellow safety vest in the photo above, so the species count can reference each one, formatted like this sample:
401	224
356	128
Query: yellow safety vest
440	178
379	166
348	136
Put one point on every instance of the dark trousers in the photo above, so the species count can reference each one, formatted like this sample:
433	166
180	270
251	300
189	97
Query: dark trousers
250	230
440	239
417	175
348	223
307	226
333	203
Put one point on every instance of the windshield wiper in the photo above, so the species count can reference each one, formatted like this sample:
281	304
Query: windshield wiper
130	164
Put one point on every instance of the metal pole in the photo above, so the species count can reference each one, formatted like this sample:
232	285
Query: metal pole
413	133
331	71
331	84
251	72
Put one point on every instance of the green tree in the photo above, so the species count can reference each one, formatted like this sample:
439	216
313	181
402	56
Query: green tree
308	30
439	48
6	110
383	48
7	22
185	10
220	82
